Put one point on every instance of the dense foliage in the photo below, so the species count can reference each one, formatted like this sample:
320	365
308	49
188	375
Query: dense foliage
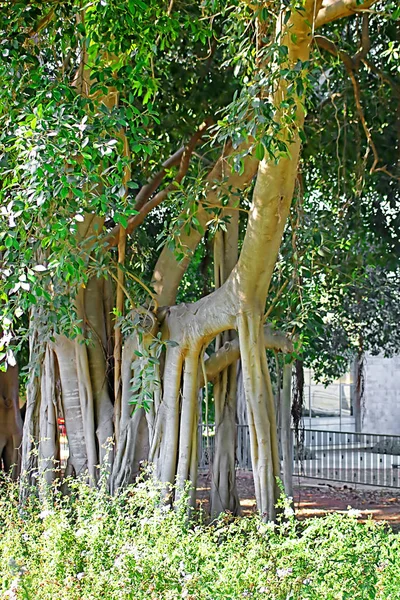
62	156
90	545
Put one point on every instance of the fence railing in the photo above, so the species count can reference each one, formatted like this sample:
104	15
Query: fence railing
369	459
366	458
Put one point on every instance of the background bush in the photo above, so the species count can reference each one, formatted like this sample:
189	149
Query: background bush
89	545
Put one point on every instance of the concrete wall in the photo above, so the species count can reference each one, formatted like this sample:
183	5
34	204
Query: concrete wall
381	410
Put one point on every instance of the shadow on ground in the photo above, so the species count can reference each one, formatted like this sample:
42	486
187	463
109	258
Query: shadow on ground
313	498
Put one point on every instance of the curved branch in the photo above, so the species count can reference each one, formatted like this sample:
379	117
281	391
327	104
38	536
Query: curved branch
169	271
147	190
42	23
183	155
365	42
230	352
338	9
351	65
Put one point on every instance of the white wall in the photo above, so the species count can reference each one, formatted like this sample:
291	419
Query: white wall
381	412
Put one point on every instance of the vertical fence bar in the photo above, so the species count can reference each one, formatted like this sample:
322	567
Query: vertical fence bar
371	459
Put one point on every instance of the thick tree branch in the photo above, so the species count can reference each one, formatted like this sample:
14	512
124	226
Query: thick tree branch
275	183
365	43
169	271
331	47
42	23
230	352
146	206
333	10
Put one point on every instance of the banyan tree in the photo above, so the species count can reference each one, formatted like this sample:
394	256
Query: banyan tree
151	152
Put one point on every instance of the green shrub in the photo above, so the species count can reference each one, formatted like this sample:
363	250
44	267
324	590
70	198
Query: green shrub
89	545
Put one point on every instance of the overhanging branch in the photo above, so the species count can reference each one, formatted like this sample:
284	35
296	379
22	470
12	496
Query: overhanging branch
142	201
147	190
393	83
338	9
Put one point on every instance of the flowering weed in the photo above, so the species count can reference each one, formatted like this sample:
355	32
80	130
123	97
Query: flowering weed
90	545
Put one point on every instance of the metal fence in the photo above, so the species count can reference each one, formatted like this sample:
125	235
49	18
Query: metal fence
369	459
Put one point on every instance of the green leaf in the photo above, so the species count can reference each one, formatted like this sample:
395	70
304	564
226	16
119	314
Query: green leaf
260	151
122	219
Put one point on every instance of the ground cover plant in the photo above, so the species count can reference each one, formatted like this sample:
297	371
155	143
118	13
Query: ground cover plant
91	545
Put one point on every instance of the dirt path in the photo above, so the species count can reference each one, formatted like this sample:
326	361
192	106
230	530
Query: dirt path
314	498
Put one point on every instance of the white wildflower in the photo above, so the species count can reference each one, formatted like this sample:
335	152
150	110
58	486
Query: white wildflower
11	593
265	527
288	511
80	532
353	512
182	568
281	573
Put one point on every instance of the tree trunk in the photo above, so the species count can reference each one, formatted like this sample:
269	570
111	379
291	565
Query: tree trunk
286	431
261	415
10	422
252	275
224	494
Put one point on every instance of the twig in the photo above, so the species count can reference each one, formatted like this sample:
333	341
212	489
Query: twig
351	65
274	301
112	238
384	76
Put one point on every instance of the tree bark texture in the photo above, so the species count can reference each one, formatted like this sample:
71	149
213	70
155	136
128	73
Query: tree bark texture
10	421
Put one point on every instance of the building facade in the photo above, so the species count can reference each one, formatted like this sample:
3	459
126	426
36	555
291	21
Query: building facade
337	408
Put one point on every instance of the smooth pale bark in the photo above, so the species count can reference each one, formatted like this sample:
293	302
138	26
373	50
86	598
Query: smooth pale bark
223	494
261	415
77	403
168	271
251	278
49	445
332	10
30	439
187	452
167	421
95	312
133	441
286	431
229	352
241	410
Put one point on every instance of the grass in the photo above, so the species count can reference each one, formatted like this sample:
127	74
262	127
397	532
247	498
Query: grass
89	545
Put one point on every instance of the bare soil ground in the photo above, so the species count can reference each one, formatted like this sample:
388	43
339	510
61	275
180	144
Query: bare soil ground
314	498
